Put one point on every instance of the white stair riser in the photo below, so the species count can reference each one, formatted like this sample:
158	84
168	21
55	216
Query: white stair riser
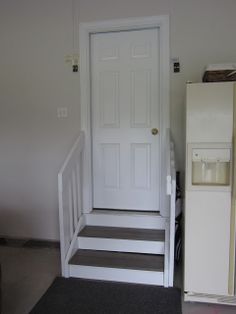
117	274
121	245
126	221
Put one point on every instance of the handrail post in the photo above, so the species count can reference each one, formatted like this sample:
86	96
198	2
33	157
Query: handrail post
69	194
171	193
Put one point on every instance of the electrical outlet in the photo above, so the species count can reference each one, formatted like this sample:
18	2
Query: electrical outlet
176	65
75	68
62	112
74	61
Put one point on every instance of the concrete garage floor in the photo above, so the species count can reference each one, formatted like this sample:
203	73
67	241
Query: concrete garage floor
28	272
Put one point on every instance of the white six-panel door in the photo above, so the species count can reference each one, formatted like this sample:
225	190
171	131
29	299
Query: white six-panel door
125	109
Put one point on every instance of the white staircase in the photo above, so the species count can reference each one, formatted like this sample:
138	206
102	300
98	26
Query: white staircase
107	251
125	246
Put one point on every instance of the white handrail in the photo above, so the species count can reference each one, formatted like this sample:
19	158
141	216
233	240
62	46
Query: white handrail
70	199
168	163
172	224
171	192
78	146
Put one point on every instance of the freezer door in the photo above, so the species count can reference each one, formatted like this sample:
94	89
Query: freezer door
207	242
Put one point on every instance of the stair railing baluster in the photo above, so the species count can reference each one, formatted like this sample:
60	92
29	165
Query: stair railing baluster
70	202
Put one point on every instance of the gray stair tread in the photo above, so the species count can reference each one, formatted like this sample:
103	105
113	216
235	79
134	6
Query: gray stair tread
123	233
124	212
147	262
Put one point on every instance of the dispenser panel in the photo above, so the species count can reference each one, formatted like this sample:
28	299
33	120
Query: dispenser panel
209	166
211	155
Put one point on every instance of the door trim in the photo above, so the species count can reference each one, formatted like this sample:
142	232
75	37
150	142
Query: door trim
85	30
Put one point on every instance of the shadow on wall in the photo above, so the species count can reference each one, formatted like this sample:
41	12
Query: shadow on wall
21	223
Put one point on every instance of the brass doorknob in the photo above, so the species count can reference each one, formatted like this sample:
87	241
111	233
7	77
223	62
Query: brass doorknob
154	131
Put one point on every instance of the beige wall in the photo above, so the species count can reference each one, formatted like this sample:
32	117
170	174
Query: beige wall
35	36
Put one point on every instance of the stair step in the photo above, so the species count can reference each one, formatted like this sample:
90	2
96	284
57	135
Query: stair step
123	233
126	219
134	261
133	240
125	212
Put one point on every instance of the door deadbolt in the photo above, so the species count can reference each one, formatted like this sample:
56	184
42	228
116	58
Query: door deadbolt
154	131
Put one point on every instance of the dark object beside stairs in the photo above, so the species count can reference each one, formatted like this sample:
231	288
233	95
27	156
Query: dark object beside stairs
73	296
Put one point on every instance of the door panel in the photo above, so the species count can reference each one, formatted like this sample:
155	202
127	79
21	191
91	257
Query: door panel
140	94
140	176
110	166
109	99
125	107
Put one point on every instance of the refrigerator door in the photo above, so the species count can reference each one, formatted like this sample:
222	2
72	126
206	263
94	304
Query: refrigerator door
207	242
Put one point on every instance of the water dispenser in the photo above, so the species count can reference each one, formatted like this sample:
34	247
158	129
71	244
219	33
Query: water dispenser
210	167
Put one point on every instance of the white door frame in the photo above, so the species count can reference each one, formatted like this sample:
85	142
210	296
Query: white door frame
85	30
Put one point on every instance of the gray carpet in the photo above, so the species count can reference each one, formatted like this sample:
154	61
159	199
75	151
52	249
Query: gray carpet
78	296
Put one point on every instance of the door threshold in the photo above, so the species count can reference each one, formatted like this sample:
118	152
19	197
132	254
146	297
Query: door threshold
124	211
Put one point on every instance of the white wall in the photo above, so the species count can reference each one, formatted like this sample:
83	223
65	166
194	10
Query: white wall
35	36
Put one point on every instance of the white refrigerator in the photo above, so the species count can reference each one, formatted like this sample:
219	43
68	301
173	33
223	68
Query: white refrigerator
209	215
